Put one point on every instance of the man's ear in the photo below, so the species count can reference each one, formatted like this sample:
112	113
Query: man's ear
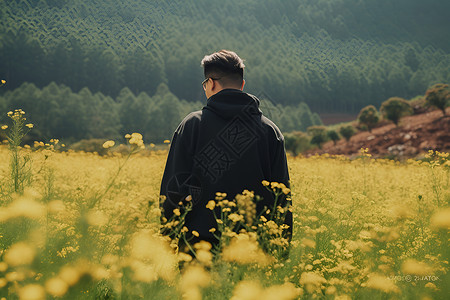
242	86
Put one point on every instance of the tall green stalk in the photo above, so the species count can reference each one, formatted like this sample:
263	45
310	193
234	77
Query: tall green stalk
19	164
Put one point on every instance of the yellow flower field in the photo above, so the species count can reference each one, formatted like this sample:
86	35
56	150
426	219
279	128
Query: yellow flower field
86	226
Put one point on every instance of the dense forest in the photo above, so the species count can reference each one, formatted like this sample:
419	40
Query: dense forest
335	56
58	112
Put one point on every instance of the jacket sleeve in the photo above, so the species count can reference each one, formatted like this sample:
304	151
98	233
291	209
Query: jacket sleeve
178	165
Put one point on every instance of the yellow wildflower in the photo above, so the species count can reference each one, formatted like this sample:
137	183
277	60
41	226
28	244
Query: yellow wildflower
136	139
184	257
166	141
4	127
29	125
195	233
136	135
211	205
274	185
235	217
108	144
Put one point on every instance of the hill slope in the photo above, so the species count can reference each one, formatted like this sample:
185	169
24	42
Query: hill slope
415	135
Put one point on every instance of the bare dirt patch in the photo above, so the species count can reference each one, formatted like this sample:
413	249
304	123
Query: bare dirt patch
414	136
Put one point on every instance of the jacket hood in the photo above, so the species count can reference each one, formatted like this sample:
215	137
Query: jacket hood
229	103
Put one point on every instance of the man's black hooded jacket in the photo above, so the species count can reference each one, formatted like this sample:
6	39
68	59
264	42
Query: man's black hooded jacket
227	147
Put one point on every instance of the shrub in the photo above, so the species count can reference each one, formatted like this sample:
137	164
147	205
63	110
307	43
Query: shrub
394	108
318	135
347	131
418	104
369	117
333	135
438	96
296	142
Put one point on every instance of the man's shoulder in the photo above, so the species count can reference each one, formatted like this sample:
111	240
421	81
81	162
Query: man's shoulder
272	127
190	120
193	117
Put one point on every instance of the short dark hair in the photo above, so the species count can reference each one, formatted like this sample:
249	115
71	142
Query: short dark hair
226	65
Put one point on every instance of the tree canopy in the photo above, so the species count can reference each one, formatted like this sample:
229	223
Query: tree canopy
335	56
58	112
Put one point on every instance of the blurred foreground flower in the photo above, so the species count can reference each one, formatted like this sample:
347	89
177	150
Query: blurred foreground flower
23	206
32	292
414	267
203	252
56	287
251	290
152	255
244	249
381	283
441	219
20	254
312	281
194	278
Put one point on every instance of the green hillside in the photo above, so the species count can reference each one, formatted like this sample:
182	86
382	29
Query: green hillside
336	56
